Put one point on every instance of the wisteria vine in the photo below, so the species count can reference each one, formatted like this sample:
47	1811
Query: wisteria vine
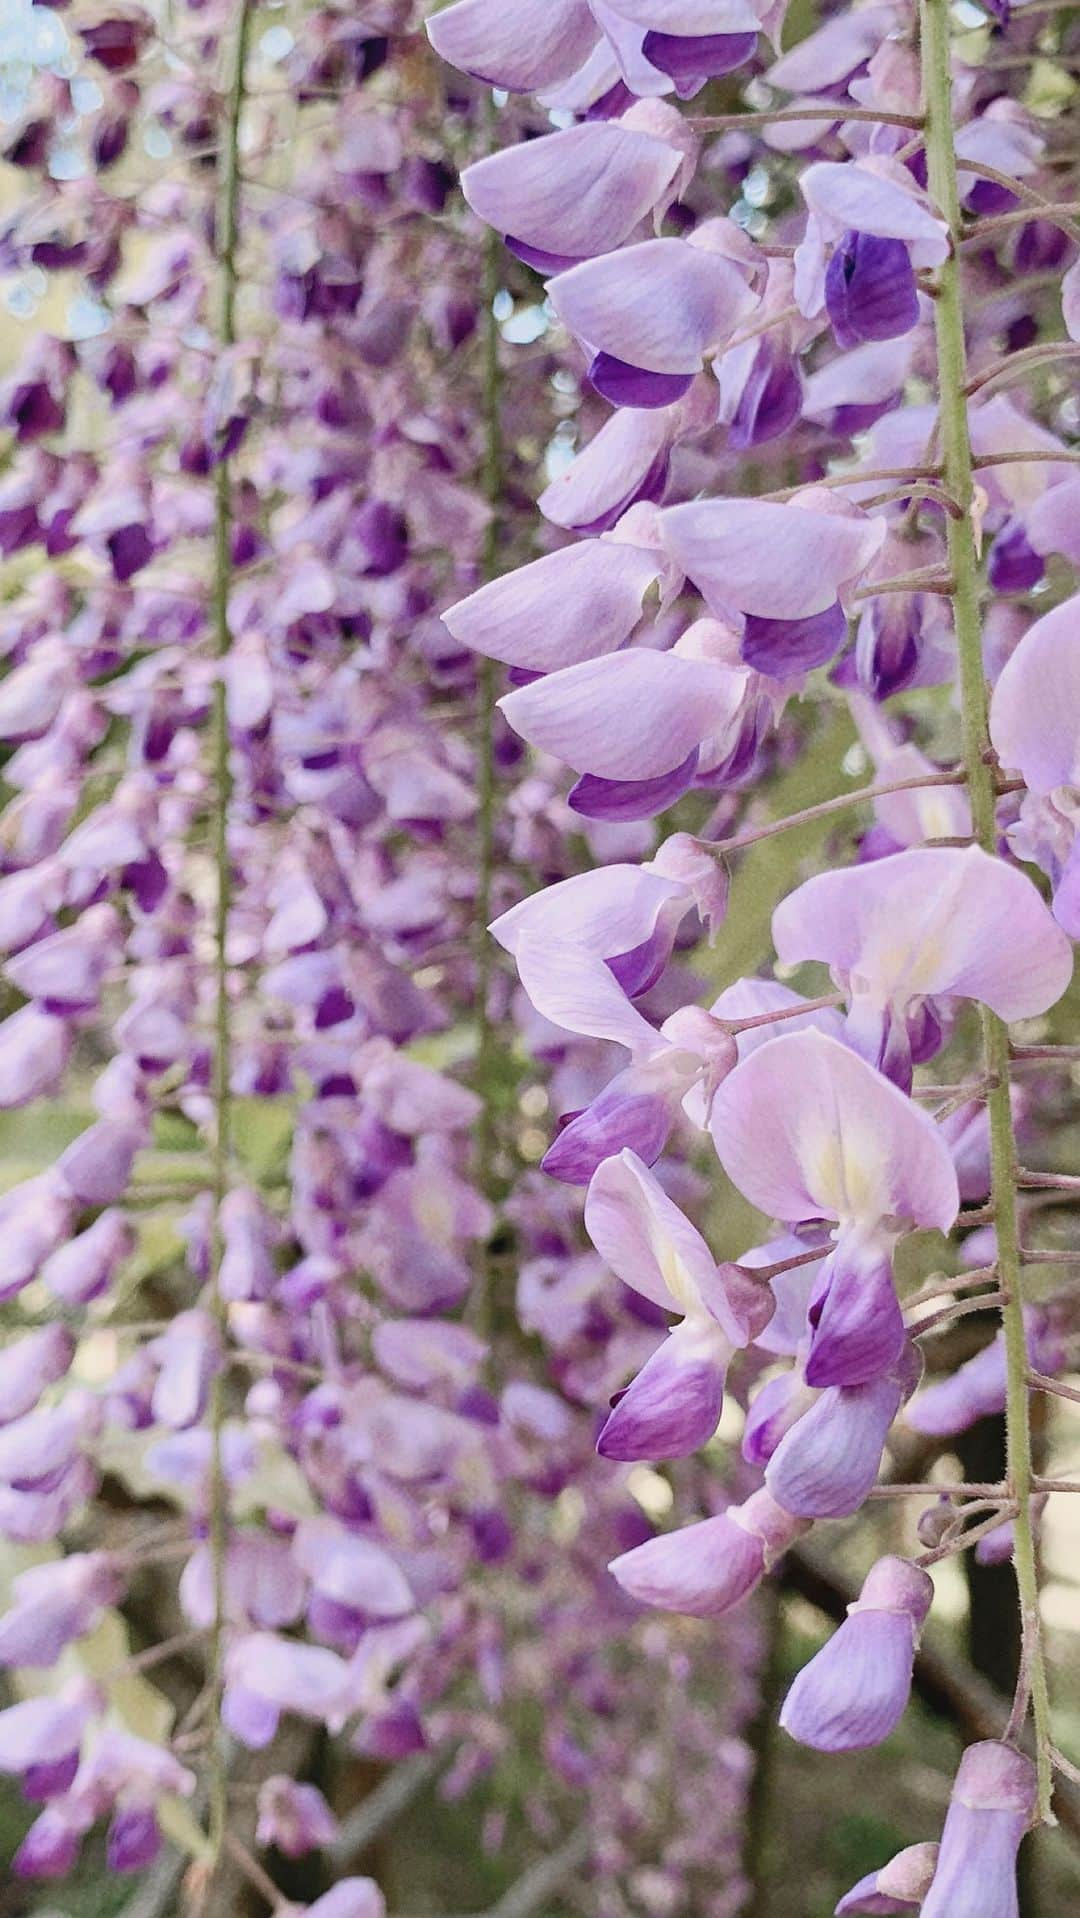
343	1405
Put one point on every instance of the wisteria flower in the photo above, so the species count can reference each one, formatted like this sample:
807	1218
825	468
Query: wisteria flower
907	935
781	572
674	1403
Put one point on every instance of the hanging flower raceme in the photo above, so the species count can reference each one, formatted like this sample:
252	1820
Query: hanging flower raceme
907	936
673	1405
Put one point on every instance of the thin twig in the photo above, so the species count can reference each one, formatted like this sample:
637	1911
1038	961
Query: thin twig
824	807
227	235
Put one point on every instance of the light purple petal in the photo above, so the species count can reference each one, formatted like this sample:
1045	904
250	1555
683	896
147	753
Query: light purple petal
833	51
577	990
616	467
1035	710
690	17
633	715
992	1805
660	305
537	44
1070	301
933	921
576	193
610	910
673	1405
702	1570
853	1694
853	195
651	1245
775	561
825	1465
900	1886
532	617
806	1130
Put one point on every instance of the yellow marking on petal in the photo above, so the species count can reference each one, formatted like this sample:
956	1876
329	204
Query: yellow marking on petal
433	1210
675	1274
842	1175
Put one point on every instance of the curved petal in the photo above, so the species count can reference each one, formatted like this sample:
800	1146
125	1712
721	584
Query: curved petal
651	1245
854	1693
660	305
1035	710
533	616
833	51
617	466
807	1130
534	44
776	561
933	921
858	1327
826	1463
610	910
575	193
702	1570
898	1888
633	715
855	196
632	798
690	18
578	991
673	1405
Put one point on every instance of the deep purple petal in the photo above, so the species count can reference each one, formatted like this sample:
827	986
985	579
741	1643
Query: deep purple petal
870	291
784	647
632	798
626	385
691	59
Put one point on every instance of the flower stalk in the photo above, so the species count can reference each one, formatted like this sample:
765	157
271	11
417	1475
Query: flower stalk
226	228
982	791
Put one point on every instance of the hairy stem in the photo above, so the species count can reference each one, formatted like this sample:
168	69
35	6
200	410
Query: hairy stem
487	1046
982	791
226	233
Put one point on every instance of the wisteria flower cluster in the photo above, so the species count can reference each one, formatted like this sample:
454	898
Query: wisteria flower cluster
343	1406
853	344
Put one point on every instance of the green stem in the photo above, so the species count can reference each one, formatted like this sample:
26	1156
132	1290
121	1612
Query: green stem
486	1070
226	215
978	758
